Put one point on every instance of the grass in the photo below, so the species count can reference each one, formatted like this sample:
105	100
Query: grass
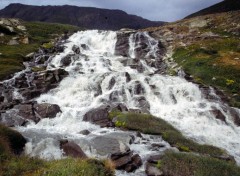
213	63
26	166
183	164
149	124
18	165
40	34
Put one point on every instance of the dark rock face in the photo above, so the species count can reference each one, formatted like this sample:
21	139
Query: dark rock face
72	149
86	17
126	161
20	114
218	114
66	61
98	116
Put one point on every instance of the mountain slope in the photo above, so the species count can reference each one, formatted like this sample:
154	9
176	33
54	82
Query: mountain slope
88	17
224	6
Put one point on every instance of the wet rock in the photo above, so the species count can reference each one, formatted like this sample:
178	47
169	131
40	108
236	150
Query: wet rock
107	145
72	149
84	132
138	88
84	46
119	107
66	61
46	110
111	83
152	170
30	94
121	160
218	114
98	116
128	77
26	111
122	44
235	113
126	161
12	118
143	104
114	96
76	49
1	99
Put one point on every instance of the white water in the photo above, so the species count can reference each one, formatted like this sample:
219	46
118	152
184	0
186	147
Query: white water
173	98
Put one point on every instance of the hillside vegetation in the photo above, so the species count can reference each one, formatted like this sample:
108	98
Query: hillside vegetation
14	46
207	48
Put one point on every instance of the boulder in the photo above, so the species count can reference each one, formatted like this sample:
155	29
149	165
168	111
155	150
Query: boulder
98	116
84	132
46	110
76	49
72	149
26	111
66	61
235	113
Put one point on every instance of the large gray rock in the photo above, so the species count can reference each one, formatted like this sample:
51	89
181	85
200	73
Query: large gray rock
98	116
46	110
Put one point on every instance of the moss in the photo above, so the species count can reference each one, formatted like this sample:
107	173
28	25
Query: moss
48	45
15	139
182	164
38	69
149	124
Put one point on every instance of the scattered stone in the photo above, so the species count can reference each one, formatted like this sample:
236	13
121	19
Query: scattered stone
76	49
84	132
72	149
13	42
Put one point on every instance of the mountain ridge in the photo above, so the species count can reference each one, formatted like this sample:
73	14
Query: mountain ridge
224	6
87	17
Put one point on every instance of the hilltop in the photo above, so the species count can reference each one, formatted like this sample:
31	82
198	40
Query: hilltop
224	6
87	17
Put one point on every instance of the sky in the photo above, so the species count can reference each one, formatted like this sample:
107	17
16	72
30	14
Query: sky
156	10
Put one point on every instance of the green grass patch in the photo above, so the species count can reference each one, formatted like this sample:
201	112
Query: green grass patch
182	164
40	34
26	166
149	124
213	65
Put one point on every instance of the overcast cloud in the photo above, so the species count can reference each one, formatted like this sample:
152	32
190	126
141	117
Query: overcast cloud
158	10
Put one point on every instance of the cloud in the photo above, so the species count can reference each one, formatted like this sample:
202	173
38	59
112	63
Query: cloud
158	10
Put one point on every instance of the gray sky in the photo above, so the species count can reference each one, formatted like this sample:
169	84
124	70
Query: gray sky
158	10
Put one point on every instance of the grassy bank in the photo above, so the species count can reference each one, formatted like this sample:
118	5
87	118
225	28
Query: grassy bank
11	143
214	63
12	57
193	159
183	164
149	124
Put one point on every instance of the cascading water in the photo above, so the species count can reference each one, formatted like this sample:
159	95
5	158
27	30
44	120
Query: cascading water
89	85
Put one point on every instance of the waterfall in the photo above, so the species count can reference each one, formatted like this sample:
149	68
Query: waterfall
90	85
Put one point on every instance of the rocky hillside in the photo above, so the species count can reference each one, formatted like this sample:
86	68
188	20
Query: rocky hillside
90	18
224	6
19	38
207	48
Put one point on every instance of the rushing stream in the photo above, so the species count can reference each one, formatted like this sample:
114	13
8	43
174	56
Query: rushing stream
98	76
